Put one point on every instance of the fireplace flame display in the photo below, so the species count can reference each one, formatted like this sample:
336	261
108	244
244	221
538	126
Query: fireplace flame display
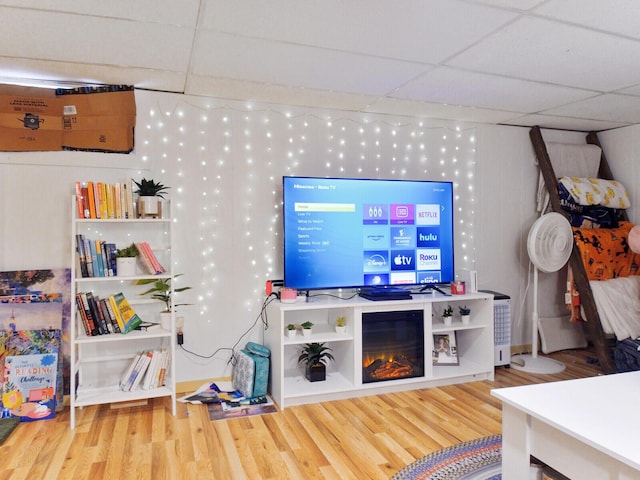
392	345
392	368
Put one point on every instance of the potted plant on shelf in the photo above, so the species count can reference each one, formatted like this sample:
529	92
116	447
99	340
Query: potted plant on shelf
306	328
341	325
314	357
149	194
465	314
291	330
447	315
161	290
126	261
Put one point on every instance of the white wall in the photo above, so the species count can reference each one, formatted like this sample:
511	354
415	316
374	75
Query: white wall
224	162
622	149
508	178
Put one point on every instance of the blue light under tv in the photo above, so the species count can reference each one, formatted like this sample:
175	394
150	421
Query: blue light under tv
385	293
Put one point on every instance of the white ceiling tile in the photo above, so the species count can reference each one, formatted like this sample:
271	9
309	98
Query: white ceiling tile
93	40
634	90
169	12
14	70
513	4
618	16
547	51
450	85
222	55
489	61
435	110
419	30
608	107
279	94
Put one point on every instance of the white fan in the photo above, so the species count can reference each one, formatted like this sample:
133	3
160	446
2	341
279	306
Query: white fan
549	246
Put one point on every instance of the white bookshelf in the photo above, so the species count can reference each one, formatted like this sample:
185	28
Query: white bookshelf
98	362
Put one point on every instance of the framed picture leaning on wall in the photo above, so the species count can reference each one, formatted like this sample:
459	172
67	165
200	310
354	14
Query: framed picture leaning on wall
445	350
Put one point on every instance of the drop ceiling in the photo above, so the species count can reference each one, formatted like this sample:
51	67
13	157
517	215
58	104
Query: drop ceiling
569	64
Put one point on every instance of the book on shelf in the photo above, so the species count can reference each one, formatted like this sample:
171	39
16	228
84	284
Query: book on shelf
101	200
141	369
148	259
92	200
82	257
95	258
112	315
136	371
158	361
90	324
87	326
103	328
103	316
130	319
116	312
149	327
126	379
98	265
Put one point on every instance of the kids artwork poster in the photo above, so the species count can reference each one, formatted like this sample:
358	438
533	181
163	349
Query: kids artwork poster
35	301
29	390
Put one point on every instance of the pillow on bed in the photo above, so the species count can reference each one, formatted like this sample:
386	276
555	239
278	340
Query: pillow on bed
605	252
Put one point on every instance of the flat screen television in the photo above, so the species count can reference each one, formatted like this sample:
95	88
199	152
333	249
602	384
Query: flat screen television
356	233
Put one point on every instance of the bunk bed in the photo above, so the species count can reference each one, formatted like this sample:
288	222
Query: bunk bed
602	341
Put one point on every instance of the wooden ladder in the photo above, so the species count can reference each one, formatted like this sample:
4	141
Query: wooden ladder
593	324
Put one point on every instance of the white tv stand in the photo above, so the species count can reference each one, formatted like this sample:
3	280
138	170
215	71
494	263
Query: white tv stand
288	386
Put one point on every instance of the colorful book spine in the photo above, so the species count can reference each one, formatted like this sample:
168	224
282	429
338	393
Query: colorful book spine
91	320
82	256
98	265
92	200
101	324
111	314
82	316
116	313
79	204
130	318
126	378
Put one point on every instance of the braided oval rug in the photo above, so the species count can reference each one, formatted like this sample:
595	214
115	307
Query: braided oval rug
479	459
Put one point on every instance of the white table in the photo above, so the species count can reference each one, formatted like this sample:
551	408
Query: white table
585	429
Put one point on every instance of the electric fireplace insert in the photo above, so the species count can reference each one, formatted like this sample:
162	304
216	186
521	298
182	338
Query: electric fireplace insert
392	345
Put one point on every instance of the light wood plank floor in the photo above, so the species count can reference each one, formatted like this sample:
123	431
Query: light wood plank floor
365	438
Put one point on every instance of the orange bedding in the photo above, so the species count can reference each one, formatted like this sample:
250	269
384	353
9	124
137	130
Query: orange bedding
605	252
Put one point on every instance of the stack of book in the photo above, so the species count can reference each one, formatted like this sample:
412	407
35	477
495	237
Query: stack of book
146	370
96	258
103	316
105	200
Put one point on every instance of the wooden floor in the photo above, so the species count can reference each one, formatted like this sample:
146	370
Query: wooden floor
364	438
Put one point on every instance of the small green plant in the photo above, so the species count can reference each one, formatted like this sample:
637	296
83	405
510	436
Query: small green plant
447	312
291	326
130	251
341	321
306	325
464	310
315	353
161	290
150	188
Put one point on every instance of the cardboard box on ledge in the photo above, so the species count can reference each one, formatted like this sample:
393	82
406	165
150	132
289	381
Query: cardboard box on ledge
88	118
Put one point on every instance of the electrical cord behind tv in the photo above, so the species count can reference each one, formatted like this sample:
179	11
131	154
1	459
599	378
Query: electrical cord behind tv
262	316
